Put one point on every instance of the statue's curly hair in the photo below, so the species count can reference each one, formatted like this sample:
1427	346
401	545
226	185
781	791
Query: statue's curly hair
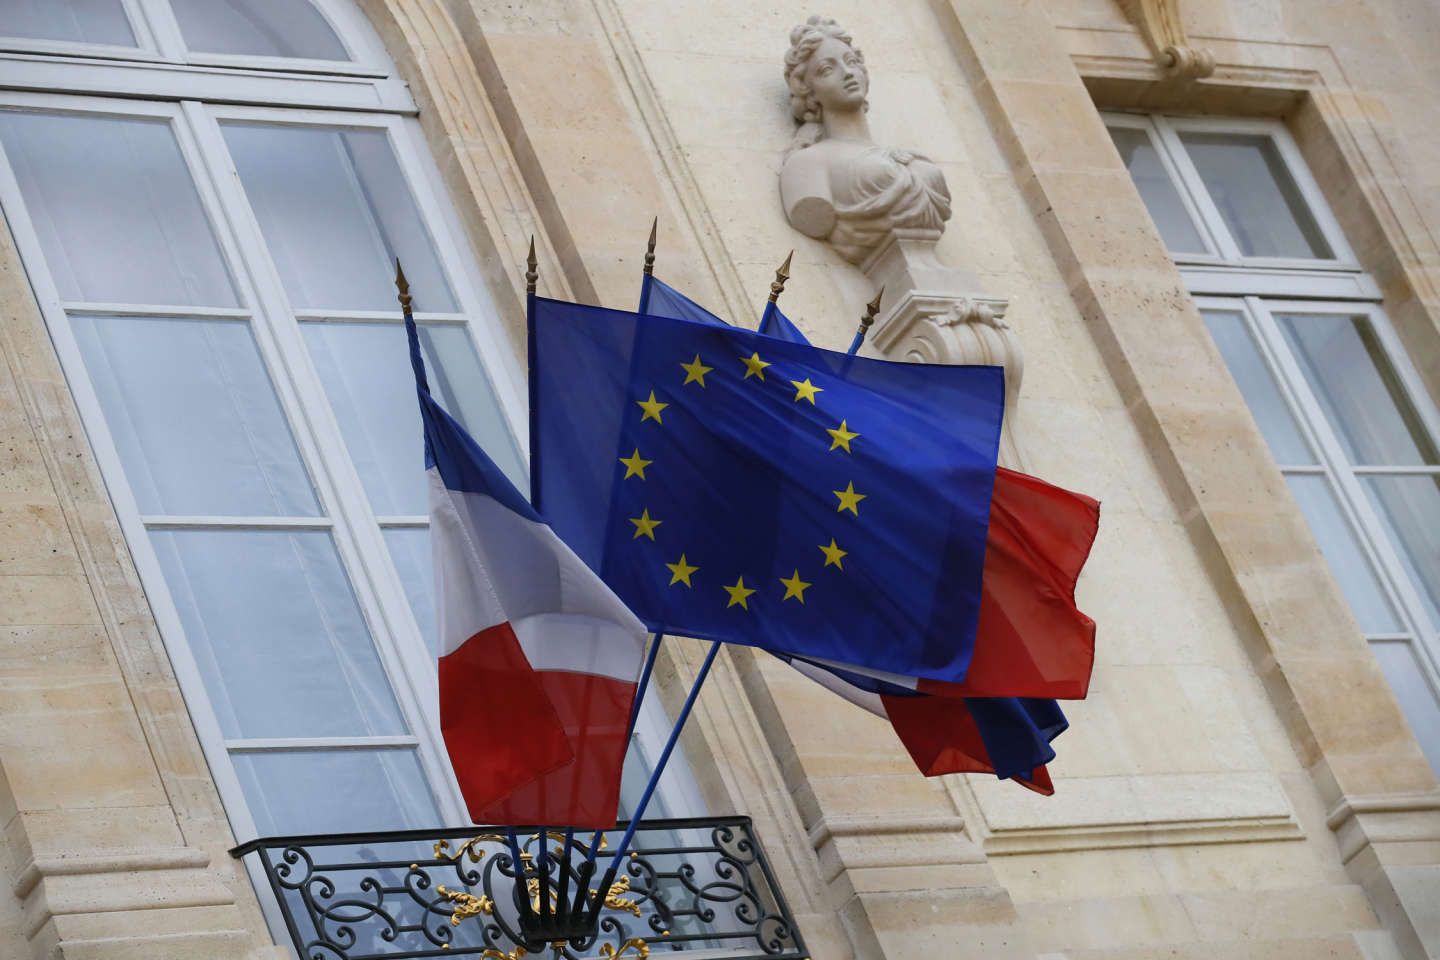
804	38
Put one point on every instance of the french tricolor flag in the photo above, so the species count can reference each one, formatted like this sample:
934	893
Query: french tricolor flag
539	660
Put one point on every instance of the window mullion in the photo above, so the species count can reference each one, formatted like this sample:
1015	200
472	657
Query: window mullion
400	522
1349	488
163	28
506	377
1424	404
357	535
1192	189
1165	151
1272	349
280	744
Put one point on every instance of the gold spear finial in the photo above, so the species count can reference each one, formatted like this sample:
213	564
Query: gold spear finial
871	309
781	275
403	286
650	248
531	274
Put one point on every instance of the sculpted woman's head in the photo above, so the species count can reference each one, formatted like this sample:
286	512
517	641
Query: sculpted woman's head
837	184
824	71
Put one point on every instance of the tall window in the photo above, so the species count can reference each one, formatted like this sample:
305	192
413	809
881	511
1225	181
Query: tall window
210	196
1337	401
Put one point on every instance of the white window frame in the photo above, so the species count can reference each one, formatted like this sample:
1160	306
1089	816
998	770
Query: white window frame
345	511
161	67
145	45
1259	288
159	81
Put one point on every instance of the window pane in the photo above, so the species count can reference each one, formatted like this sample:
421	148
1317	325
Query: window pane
1342	552
1256	196
1410	509
76	21
1417	700
366	371
337	213
1157	190
335	791
261	28
1257	384
194	417
277	633
1359	390
116	210
410	549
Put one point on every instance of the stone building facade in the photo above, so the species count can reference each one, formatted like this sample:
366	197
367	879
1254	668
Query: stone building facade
1247	778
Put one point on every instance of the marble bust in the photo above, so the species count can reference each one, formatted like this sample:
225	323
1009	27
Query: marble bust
837	184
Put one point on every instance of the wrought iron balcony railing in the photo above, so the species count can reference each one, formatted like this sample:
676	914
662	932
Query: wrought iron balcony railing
698	888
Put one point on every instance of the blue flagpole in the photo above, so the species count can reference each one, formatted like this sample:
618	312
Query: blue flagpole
871	308
664	759
634	718
532	276
646	279
644	680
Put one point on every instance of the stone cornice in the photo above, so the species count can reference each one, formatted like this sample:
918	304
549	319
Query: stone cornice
178	858
1360	821
1159	834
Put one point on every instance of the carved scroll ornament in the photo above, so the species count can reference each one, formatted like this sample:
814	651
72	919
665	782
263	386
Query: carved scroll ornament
1159	23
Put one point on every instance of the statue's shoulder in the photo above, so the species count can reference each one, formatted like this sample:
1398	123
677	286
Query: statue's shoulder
805	190
816	156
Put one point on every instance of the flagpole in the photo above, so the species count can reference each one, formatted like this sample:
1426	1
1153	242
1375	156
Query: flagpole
777	287
532	277
871	308
648	271
639	812
647	277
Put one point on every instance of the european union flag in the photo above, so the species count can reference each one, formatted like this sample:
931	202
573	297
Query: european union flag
731	486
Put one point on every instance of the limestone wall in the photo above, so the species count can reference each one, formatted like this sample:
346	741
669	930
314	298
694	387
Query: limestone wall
1240	783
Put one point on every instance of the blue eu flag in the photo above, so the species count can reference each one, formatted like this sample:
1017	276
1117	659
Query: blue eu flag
736	487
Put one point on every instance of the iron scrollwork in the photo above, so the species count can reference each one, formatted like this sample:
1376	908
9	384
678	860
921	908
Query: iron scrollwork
700	884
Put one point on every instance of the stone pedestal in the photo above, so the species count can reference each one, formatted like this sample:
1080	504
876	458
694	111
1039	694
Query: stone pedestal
932	313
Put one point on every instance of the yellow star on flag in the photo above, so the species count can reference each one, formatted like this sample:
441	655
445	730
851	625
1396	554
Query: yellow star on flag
849	500
652	408
794	587
754	367
680	572
635	465
841	437
739	594
695	371
805	390
833	554
644	526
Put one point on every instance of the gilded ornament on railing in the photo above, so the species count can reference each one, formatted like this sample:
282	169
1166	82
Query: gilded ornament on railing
615	901
477	852
614	898
490	953
641	948
471	846
466	904
532	885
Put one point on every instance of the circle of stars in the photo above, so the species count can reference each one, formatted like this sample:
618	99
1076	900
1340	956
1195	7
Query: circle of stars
841	436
